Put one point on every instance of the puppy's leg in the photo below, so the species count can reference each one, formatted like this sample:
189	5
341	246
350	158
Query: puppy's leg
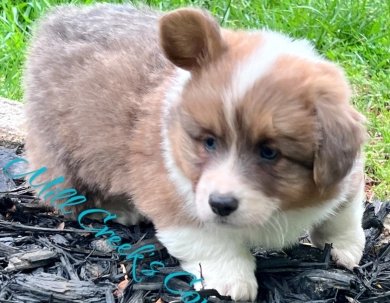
345	231
219	256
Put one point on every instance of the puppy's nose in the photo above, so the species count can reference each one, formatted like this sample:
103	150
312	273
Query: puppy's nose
223	205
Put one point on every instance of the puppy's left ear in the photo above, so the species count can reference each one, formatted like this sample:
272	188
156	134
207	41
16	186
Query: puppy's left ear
190	38
341	127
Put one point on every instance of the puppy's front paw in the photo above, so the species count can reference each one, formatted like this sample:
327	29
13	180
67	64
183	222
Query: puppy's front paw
348	252
347	255
238	282
347	241
239	289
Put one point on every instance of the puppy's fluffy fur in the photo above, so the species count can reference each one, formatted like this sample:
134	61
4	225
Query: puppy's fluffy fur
224	139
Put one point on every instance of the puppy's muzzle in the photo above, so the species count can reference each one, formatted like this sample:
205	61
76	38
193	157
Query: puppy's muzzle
223	205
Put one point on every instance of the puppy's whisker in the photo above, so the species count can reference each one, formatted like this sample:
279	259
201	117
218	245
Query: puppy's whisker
285	221
281	231
277	232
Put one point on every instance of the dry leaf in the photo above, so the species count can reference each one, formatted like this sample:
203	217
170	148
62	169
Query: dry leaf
121	286
61	226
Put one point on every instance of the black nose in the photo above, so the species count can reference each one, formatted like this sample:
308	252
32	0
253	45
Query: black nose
223	205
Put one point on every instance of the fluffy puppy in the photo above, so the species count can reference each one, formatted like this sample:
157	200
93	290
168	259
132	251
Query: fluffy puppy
225	139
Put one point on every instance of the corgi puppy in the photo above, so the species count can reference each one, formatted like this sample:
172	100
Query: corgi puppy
224	139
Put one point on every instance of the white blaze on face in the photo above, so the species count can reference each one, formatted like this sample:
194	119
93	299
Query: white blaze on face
254	208
259	63
221	179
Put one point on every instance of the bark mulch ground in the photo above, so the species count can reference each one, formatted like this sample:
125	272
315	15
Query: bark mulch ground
46	258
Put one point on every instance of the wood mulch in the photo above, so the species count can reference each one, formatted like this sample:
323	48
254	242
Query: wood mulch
46	258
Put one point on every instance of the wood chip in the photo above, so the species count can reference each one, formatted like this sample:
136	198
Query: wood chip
29	260
51	259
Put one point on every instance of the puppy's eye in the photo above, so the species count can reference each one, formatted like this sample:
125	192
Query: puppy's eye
267	152
210	143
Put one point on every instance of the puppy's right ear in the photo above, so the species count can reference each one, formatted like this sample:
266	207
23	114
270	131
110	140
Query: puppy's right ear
190	38
342	128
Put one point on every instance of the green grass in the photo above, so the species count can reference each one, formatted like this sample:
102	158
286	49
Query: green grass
354	33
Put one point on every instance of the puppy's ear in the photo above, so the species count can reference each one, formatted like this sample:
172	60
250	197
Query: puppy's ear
190	38
341	128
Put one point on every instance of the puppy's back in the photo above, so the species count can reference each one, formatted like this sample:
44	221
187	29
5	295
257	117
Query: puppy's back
87	73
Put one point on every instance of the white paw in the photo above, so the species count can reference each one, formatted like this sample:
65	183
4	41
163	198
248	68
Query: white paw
348	253
235	280
348	257
238	289
348	243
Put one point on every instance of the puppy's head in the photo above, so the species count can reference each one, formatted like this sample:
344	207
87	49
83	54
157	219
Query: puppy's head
261	124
